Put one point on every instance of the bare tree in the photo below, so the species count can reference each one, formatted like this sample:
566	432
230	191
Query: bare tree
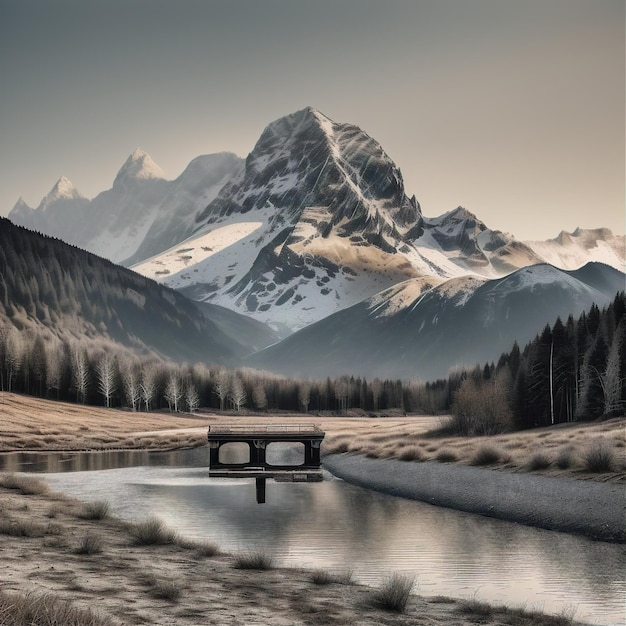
342	393
131	384
192	399
106	371
147	385
222	386
237	393
173	390
80	372
482	407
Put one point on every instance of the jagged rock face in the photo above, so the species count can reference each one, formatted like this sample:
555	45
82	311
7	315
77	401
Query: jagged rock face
333	210
306	160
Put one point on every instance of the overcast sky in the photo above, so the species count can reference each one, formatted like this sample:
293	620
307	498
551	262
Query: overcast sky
512	109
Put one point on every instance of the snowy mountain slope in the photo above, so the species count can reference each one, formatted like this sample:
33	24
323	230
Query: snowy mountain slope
326	212
472	246
416	330
316	221
141	208
573	250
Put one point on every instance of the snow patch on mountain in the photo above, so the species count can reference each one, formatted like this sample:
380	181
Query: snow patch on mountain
174	263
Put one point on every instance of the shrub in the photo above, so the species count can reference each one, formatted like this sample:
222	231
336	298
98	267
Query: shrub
539	461
599	456
411	453
152	532
256	559
26	485
95	510
446	455
90	544
166	590
394	593
486	455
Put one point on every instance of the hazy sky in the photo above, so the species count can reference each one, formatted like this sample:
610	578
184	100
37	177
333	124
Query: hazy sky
511	108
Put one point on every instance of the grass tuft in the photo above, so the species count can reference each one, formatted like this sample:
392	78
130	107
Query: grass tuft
486	455
152	532
95	510
539	461
166	590
445	455
45	610
599	456
411	453
90	544
256	559
394	593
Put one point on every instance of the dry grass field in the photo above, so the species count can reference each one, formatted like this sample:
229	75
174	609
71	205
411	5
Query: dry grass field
593	451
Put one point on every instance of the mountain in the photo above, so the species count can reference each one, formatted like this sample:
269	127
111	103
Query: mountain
141	211
317	220
573	250
60	290
314	221
423	328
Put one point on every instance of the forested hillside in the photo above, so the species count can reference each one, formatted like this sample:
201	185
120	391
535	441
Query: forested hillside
60	291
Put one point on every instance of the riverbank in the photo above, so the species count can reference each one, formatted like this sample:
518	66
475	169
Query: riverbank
594	509
101	571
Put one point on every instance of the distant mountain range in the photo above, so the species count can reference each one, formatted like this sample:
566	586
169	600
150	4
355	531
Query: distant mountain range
141	215
314	233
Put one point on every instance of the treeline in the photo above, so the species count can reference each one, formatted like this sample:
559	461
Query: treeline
99	373
572	370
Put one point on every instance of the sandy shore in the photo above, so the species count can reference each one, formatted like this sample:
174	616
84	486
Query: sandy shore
594	509
45	552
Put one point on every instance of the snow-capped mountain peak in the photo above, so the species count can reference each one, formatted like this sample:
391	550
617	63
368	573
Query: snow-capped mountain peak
138	166
62	190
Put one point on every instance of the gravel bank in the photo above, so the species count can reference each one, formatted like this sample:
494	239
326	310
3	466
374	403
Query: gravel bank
597	510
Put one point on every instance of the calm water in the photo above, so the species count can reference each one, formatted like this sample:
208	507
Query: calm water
335	525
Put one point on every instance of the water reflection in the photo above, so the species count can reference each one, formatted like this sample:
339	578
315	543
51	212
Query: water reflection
52	462
336	525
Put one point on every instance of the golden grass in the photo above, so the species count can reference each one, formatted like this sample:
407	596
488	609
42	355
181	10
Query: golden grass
26	421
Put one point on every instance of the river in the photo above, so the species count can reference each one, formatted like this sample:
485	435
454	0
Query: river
335	525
